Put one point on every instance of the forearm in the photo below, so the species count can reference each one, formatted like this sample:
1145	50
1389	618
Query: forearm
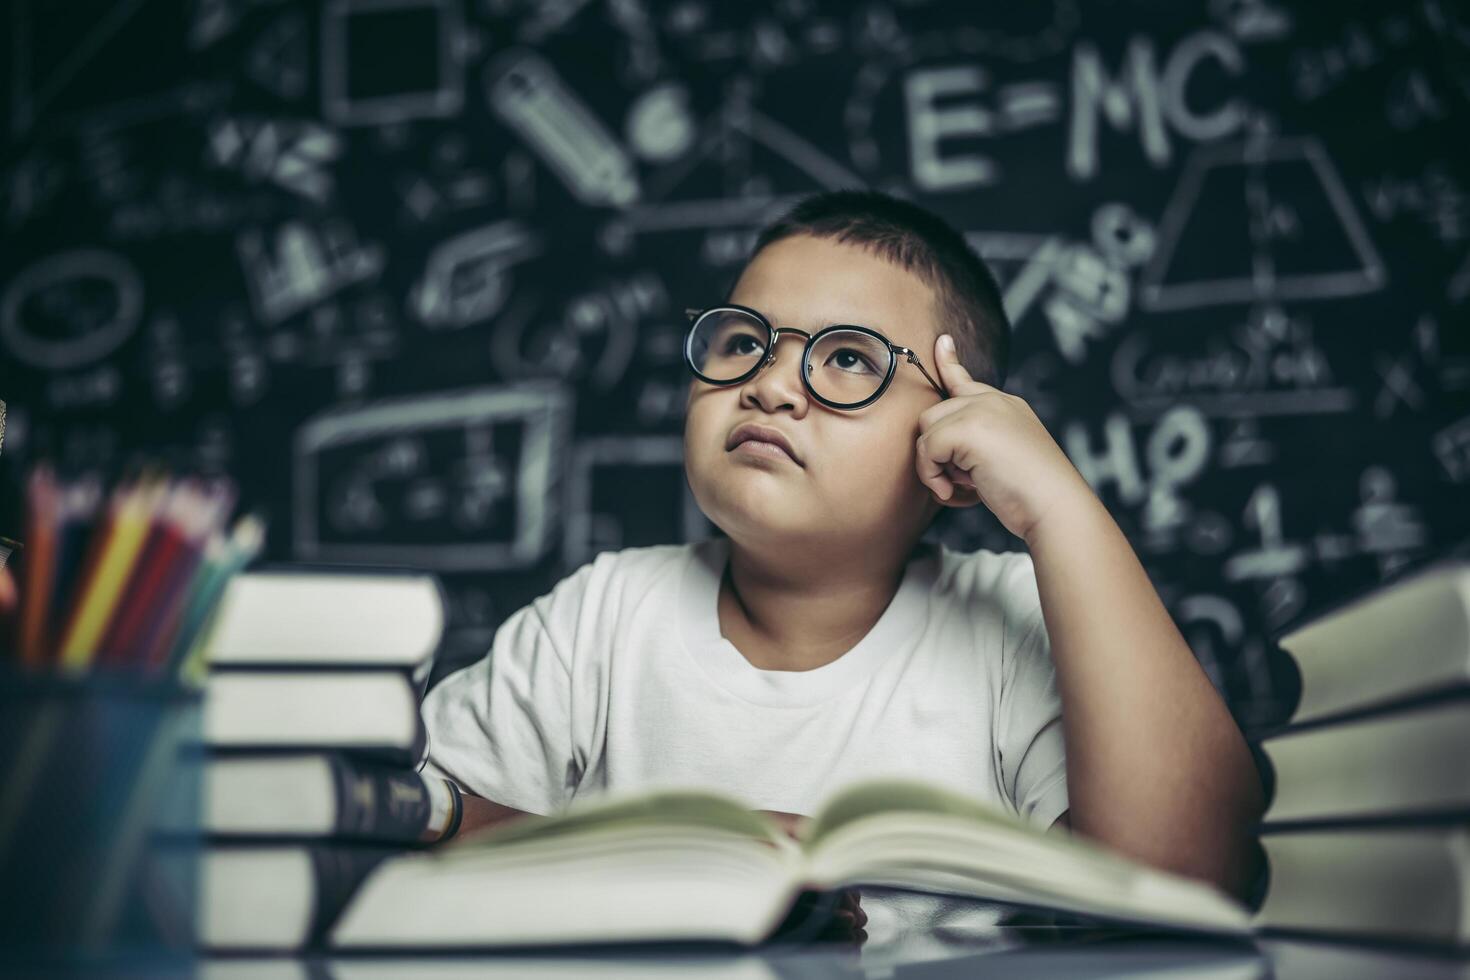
480	812
1156	767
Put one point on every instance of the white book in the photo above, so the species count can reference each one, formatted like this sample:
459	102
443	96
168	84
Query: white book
365	710
315	618
1407	638
258	897
691	865
1409	763
320	795
1381	883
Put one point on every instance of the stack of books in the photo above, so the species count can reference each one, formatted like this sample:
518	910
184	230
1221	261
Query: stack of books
313	741
1368	831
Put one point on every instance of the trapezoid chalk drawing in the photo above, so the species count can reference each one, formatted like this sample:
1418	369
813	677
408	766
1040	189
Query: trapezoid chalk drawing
1257	221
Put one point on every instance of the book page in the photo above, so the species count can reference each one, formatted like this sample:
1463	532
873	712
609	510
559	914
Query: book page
661	808
890	796
908	834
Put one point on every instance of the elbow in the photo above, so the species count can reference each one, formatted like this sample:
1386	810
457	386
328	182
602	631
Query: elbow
1227	850
1208	832
1248	863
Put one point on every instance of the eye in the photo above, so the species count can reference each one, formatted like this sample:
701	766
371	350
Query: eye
847	359
733	345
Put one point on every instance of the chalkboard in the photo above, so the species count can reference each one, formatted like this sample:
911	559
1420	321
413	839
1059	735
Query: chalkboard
414	270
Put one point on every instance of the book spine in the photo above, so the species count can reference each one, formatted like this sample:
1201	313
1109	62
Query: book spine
379	803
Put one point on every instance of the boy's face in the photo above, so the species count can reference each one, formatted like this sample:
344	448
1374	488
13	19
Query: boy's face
856	480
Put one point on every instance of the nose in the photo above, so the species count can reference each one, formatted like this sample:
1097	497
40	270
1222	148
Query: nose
778	387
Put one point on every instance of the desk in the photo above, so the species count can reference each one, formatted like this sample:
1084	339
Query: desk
1283	959
1011	956
1052	952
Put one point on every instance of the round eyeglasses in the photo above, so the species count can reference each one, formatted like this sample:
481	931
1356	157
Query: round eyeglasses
844	366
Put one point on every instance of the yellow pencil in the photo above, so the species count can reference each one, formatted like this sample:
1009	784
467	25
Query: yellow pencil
114	566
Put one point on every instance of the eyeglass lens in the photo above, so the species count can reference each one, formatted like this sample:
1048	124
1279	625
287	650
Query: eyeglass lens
844	366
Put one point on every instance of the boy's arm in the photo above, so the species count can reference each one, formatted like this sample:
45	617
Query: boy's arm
480	812
1156	767
1155	764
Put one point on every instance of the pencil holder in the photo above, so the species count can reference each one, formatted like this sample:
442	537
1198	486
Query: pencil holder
90	768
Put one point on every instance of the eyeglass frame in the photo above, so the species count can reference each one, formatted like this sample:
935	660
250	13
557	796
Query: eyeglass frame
897	352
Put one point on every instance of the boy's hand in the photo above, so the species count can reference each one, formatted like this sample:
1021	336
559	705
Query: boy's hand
849	918
982	445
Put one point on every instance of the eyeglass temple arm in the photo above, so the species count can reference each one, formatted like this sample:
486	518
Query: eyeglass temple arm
914	360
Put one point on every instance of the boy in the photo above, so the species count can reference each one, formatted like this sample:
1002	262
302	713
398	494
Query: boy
820	641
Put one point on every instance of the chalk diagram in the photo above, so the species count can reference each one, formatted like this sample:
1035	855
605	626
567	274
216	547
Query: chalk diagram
1258	221
426	79
466	279
1016	106
530	97
70	310
452	482
745	148
291	155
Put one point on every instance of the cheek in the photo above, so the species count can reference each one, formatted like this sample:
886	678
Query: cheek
704	434
881	461
693	440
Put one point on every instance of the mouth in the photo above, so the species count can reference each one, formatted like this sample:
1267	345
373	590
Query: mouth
754	440
754	447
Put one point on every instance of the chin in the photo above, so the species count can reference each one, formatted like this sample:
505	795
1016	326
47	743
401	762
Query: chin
746	512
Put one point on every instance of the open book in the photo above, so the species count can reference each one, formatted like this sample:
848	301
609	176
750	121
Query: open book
688	865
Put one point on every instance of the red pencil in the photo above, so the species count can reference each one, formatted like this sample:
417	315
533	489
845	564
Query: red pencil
167	544
205	522
39	568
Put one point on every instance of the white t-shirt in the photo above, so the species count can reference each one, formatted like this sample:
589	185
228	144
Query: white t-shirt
619	679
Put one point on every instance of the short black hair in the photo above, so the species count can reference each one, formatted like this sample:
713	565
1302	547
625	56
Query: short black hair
967	299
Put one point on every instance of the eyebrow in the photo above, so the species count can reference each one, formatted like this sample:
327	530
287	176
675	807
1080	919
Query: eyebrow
829	322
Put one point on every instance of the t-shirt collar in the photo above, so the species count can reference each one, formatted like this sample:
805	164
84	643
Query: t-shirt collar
896	631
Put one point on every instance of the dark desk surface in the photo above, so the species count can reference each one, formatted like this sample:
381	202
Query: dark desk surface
1288	959
1011	955
1030	950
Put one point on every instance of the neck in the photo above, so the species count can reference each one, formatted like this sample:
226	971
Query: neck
792	614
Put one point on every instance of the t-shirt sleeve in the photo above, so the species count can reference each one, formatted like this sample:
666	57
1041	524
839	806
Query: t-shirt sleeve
501	728
1032	753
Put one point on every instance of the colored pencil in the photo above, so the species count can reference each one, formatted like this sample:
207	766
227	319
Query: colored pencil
81	501
134	517
163	548
187	657
38	573
207	515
